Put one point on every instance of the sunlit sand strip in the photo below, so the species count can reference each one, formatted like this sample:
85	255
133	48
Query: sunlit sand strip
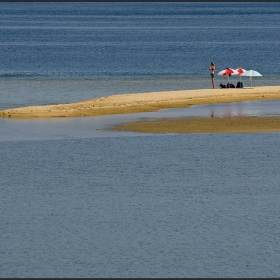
143	102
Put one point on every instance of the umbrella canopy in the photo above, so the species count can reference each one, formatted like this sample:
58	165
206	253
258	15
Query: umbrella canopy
227	72
251	73
239	71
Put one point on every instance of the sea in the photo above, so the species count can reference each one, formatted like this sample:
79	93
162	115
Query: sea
80	200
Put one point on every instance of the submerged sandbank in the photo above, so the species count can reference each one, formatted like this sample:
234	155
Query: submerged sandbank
238	124
143	102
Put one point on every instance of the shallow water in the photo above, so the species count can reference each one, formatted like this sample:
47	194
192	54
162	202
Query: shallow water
88	127
81	201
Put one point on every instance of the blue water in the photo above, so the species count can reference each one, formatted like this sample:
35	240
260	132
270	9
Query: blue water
161	206
67	52
78	200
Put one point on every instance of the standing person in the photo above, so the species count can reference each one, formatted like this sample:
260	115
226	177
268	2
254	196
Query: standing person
213	70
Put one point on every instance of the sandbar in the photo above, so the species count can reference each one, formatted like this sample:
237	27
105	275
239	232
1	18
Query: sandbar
154	101
143	102
239	124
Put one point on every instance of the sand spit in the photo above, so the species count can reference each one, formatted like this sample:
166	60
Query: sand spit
143	102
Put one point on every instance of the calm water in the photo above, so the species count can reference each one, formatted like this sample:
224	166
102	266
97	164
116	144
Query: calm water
96	127
67	52
80	201
160	206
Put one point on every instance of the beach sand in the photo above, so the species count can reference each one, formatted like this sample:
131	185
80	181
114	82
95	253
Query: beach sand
154	101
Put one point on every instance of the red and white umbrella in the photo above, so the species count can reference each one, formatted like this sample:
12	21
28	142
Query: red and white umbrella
239	72
228	72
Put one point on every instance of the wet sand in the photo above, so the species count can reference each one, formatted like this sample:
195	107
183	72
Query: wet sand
154	101
205	125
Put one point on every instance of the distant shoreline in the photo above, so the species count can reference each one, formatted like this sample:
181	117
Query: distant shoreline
143	102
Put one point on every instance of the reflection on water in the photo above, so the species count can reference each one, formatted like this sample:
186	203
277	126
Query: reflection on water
227	110
249	108
88	127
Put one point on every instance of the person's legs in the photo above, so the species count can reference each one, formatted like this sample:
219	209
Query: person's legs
213	82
